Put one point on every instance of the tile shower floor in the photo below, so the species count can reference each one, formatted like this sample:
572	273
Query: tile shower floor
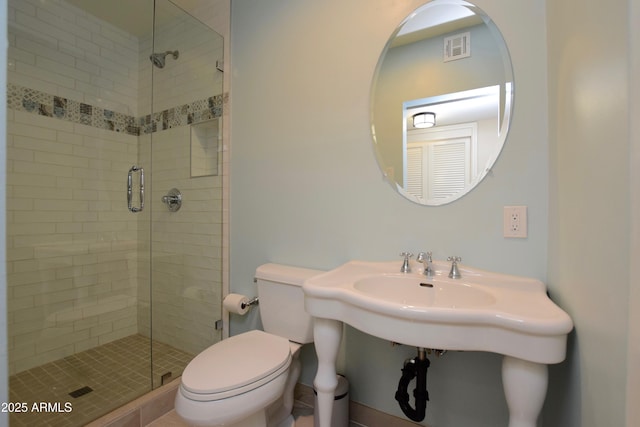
117	373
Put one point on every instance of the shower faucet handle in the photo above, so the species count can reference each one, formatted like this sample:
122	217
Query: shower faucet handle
405	264
173	200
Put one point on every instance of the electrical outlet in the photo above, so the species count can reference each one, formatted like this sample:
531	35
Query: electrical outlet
515	221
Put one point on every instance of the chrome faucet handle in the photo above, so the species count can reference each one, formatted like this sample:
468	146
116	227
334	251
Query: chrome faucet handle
405	264
426	259
425	256
454	273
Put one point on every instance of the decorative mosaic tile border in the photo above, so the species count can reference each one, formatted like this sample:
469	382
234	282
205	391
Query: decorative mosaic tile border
33	101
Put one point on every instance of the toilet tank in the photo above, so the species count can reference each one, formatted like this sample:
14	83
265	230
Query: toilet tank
282	301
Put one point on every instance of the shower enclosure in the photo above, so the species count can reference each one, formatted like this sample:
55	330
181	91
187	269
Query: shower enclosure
112	107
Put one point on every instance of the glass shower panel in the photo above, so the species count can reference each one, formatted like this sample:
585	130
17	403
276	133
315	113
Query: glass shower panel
75	270
186	244
95	93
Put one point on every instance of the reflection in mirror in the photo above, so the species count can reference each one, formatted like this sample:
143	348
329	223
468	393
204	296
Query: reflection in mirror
441	102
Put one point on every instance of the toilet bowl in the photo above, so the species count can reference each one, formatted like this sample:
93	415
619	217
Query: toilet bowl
248	380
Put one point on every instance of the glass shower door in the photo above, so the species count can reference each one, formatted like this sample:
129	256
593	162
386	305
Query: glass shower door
74	249
107	299
185	149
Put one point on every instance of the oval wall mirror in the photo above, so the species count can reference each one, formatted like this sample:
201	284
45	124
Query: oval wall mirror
441	102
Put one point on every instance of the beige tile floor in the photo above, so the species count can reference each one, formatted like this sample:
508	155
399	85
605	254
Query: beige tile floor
117	372
302	413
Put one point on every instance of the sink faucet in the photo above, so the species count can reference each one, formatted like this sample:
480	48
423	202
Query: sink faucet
426	260
405	264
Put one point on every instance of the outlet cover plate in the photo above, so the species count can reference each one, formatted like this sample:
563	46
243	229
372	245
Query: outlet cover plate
515	221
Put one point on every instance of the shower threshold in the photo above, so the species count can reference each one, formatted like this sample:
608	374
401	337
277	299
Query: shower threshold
82	387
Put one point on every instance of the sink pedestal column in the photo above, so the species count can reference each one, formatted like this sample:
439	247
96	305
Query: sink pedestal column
525	383
525	386
327	335
508	315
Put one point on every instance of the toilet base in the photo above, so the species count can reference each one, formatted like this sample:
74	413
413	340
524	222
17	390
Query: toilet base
258	419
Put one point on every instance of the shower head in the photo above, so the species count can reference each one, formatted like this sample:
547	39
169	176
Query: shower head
158	59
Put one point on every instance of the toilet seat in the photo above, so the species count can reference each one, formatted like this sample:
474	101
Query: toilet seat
236	365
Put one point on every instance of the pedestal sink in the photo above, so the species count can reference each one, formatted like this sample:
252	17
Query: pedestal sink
481	311
417	292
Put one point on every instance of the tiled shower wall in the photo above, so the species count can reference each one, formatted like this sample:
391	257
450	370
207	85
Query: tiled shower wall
59	49
186	252
186	265
73	248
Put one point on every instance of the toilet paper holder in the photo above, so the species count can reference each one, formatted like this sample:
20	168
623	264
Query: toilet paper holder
253	301
238	303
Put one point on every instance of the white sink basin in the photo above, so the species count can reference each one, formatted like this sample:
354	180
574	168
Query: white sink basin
415	291
481	311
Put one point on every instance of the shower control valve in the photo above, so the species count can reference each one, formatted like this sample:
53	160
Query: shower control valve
173	199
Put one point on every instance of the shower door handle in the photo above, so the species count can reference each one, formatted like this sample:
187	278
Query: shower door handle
130	189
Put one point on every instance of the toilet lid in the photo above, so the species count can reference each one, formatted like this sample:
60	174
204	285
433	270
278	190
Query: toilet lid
236	362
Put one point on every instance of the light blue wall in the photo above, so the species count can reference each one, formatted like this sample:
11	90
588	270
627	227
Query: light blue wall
590	255
306	189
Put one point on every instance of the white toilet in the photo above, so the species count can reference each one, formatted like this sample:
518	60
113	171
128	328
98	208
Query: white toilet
247	380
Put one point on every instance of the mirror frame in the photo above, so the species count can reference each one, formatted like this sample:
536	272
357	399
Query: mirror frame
504	118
